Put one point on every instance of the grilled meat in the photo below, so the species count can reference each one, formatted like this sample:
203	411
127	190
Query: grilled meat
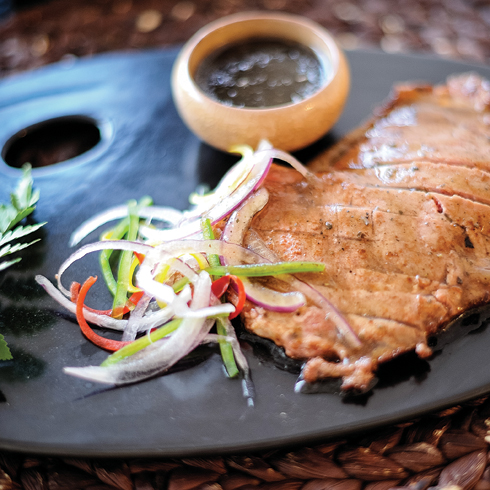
400	215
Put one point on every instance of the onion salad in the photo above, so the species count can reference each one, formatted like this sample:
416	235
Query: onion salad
175	285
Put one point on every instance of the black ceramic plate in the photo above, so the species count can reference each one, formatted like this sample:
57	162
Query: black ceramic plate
145	149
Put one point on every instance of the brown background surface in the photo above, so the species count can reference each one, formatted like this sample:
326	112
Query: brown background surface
441	450
53	30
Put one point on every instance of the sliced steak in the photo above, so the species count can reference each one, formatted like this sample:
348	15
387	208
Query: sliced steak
400	215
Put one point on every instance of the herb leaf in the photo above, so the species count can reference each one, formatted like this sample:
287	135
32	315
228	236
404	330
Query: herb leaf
22	203
5	354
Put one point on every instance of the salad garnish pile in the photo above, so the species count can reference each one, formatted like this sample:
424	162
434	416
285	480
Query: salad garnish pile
180	284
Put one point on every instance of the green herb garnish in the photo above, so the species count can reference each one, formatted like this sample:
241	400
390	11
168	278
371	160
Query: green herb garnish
22	203
5	354
261	270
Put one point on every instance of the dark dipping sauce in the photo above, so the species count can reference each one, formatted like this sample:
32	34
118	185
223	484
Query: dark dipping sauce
261	73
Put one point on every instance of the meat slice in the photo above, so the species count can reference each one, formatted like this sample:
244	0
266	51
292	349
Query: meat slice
399	213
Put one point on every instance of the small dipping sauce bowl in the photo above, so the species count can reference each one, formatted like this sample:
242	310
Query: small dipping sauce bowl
321	82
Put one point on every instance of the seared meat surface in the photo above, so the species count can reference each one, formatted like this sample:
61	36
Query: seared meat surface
399	213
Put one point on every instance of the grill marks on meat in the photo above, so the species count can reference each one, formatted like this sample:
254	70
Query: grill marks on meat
400	215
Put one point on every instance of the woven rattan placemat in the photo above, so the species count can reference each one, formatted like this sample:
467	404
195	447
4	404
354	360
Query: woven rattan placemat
447	449
441	450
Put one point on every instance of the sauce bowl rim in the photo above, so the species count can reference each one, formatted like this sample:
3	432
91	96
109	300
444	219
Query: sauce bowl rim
188	61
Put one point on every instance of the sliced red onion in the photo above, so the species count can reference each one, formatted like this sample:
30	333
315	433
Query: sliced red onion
232	179
159	356
266	147
223	203
234	232
254	242
273	300
166	214
221	209
343	327
333	313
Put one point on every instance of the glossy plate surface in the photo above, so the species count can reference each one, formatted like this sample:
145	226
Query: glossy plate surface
146	149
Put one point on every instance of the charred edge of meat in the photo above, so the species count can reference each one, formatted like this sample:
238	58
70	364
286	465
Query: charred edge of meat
407	365
391	373
402	368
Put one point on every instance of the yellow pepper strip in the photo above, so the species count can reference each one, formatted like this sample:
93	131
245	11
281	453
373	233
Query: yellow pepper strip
201	260
131	287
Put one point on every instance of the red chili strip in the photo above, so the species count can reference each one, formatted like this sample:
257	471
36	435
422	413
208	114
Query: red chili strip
75	293
107	344
130	303
133	300
242	296
220	286
139	256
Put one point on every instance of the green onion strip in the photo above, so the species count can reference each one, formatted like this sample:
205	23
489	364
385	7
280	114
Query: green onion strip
142	342
225	347
261	270
117	233
125	262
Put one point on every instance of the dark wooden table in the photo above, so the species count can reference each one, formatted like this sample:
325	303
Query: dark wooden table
442	450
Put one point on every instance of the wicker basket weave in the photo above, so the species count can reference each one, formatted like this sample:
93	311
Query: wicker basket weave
447	449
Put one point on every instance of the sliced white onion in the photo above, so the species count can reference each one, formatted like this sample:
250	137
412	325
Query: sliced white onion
234	253
287	158
232	179
135	318
97	247
95	318
220	210
238	183
161	213
241	360
159	356
150	320
239	221
156	235
237	351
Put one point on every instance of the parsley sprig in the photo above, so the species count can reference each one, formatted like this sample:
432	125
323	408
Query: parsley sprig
22	203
